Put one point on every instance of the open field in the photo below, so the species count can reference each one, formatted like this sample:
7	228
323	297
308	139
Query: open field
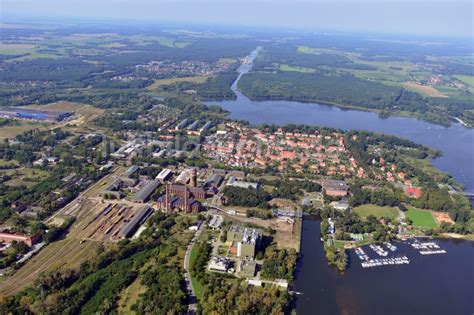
423	89
5	162
377	211
85	113
285	67
59	106
172	43
24	176
161	82
65	253
421	218
15	49
227	60
198	287
288	235
129	296
468	79
10	132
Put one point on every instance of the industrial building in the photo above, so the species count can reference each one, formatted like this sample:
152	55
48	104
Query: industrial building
245	240
178	204
130	171
164	175
220	264
113	190
194	125
137	220
144	194
34	114
188	176
214	181
206	126
181	191
247	268
181	124
335	188
232	181
9	237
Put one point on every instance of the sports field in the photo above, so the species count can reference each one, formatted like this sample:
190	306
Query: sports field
421	218
377	211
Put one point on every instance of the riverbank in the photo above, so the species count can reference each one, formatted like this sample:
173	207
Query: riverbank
445	121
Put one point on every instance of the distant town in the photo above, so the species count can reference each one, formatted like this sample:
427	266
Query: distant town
125	189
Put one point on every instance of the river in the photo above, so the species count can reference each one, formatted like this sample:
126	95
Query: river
439	284
455	142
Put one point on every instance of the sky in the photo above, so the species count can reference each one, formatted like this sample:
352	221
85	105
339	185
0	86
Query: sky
416	17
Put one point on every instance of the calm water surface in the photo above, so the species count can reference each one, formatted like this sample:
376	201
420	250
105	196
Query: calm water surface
439	284
436	284
456	142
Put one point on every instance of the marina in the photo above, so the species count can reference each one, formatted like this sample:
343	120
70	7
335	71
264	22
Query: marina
424	248
385	262
390	286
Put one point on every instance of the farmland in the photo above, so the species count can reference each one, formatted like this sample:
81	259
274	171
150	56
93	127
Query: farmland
468	79
285	67
423	89
162	82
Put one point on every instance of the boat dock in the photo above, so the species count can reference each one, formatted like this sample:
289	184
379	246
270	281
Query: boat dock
385	262
424	248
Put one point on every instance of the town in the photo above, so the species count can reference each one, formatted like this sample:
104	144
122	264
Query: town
139	174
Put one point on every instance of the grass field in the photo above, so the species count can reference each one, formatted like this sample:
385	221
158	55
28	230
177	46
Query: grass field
421	218
15	49
24	176
33	56
377	211
468	79
285	67
423	89
86	113
161	82
10	132
198	288
129	296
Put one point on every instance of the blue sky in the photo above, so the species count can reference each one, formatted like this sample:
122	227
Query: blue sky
417	17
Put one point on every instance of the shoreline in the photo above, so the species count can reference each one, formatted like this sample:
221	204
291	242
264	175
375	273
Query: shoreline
352	107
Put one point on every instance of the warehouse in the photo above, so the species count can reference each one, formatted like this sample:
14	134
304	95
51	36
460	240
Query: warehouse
34	114
137	220
144	194
164	175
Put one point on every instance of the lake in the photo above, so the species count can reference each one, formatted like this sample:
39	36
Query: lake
435	284
456	142
439	284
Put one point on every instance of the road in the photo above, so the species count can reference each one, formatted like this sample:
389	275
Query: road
187	276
